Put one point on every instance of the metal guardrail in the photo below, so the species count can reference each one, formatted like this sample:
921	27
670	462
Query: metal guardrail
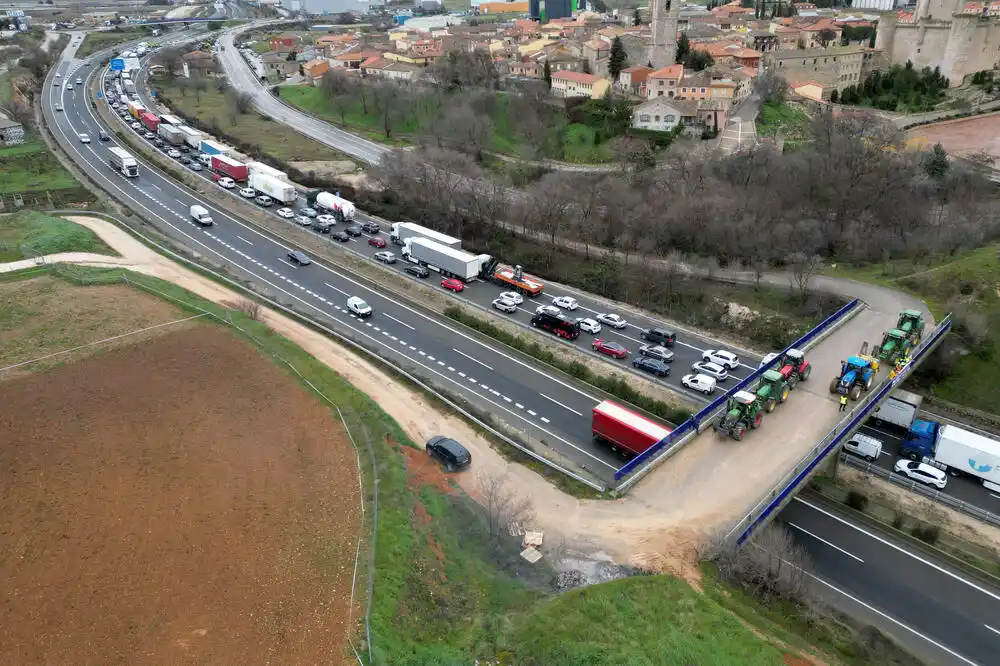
922	489
679	435
791	481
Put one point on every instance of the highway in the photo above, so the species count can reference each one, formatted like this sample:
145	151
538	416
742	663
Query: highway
940	614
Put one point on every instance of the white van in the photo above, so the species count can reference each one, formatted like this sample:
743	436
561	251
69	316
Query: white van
201	215
867	447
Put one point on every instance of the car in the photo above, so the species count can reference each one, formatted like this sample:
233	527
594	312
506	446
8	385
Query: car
185	149
651	365
721	357
303	220
69	86
385	257
86	63
186	161
148	135
547	309
264	200
659	352
921	472
701	383
767	359
79	80
55	84
327	219
136	126
114	105
58	75
417	271
248	192
370	227
204	158
659	336
565	302
358	307
504	305
58	107
84	138
865	446
196	166
226	182
612	320
159	143
453	284
174	153
589	325
308	212
340	236
375	241
321	227
354	230
103	136
513	297
711	369
286	213
450	453
612	349
299	258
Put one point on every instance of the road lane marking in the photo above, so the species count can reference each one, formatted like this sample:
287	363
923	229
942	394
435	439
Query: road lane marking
560	404
475	360
402	323
244	239
336	289
995	631
831	545
994	495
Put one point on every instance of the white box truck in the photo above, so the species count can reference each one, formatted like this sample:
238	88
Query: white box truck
403	231
332	202
260	167
192	137
448	261
953	449
272	187
171	134
123	162
899	409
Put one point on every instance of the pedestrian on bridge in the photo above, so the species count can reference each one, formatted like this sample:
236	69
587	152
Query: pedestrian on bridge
843	403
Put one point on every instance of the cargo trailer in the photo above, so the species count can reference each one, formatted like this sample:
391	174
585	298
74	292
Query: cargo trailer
446	260
273	187
230	167
261	168
171	134
403	231
192	137
332	202
625	430
150	120
954	450
123	162
210	147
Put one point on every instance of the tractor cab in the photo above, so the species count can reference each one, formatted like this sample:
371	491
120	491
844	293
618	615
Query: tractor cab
741	399
773	389
794	367
911	323
895	345
743	411
856	375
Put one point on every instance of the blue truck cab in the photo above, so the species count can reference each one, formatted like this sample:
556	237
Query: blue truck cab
921	440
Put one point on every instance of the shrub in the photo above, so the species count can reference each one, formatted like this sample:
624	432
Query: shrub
926	533
855	500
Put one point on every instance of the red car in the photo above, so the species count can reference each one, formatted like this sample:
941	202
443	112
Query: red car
452	284
612	349
376	241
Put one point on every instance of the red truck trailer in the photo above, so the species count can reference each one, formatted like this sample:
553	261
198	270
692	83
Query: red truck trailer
150	120
625	430
227	165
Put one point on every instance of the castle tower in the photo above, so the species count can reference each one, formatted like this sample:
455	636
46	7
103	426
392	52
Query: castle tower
663	44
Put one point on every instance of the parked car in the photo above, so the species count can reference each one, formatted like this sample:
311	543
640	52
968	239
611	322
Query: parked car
659	352
651	365
711	369
612	320
264	200
767	359
453	284
659	336
248	192
448	452
589	325
185	149
226	182
385	257
174	153
612	349
186	161
417	271
504	305
547	309
721	357
370	227
921	472
354	230
303	220
299	258
701	383
84	138
340	237
513	297
565	302
308	212
286	213
359	307
375	241
865	446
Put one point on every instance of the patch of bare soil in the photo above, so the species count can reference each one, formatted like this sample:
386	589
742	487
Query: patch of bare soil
178	501
327	169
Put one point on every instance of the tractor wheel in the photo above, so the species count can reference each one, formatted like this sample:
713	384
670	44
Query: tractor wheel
738	433
771	404
868	381
855	392
913	456
833	384
805	373
758	417
783	396
793	381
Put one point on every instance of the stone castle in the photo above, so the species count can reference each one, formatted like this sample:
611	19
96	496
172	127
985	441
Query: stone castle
959	37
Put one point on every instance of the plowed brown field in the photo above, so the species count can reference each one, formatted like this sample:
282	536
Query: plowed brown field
179	501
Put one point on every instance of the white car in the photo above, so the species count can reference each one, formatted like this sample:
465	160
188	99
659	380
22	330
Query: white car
69	86
711	369
286	213
58	107
504	305
359	307
137	126
721	357
174	153
58	75
248	192
547	309
565	302
589	325
767	359
227	183
303	220
513	297
79	80
612	320
84	138
701	383
326	219
922	472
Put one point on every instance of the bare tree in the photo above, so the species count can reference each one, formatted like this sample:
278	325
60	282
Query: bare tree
243	101
466	130
803	268
770	566
505	508
340	93
771	87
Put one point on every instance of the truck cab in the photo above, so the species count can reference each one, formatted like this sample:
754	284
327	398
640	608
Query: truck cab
919	441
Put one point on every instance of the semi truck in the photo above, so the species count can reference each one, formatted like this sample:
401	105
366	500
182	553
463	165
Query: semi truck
123	162
261	168
135	109
899	409
272	187
192	137
332	202
171	120
210	147
954	450
403	231
448	261
128	85
150	120
230	167
625	430
171	134
514	278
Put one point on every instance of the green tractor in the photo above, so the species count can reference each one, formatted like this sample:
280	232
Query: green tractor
772	390
743	410
911	322
895	345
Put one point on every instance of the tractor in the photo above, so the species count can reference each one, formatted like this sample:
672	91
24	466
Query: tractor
743	411
772	390
794	367
868	357
895	345
856	375
911	322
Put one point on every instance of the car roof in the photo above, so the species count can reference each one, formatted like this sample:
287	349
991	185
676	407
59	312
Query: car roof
450	445
929	469
706	364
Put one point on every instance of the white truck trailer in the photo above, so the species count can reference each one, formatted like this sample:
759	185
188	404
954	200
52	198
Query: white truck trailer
260	167
448	261
122	162
192	137
954	450
403	231
332	202
272	187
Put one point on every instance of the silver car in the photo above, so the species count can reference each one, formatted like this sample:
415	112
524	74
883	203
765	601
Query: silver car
503	305
658	352
713	370
385	257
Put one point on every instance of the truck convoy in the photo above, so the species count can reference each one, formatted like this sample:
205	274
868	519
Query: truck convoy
448	261
122	162
230	167
403	231
953	450
624	430
272	187
333	203
192	137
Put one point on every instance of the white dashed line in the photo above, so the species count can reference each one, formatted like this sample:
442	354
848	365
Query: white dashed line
244	240
519	405
403	323
560	404
476	360
451	369
461	374
545	420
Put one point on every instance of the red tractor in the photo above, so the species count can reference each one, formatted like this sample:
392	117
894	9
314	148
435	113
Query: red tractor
794	367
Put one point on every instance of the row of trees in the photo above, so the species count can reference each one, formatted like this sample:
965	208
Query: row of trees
903	88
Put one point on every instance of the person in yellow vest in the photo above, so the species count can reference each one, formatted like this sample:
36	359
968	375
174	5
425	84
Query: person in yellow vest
893	373
843	403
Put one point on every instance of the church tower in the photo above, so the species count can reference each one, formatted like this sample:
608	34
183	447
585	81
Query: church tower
663	44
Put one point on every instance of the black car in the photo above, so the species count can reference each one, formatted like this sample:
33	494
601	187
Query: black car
185	160
660	336
103	136
185	149
299	258
651	365
159	143
340	236
417	271
451	454
371	227
354	230
322	227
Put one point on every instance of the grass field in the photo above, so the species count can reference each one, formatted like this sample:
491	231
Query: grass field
787	120
95	41
30	167
31	234
579	146
312	100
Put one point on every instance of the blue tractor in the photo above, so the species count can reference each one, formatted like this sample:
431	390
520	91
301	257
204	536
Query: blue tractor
856	375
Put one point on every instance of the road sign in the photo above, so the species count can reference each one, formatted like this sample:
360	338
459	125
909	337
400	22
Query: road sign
100	94
117	65
152	93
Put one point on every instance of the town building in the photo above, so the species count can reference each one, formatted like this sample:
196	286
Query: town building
578	84
11	132
834	68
